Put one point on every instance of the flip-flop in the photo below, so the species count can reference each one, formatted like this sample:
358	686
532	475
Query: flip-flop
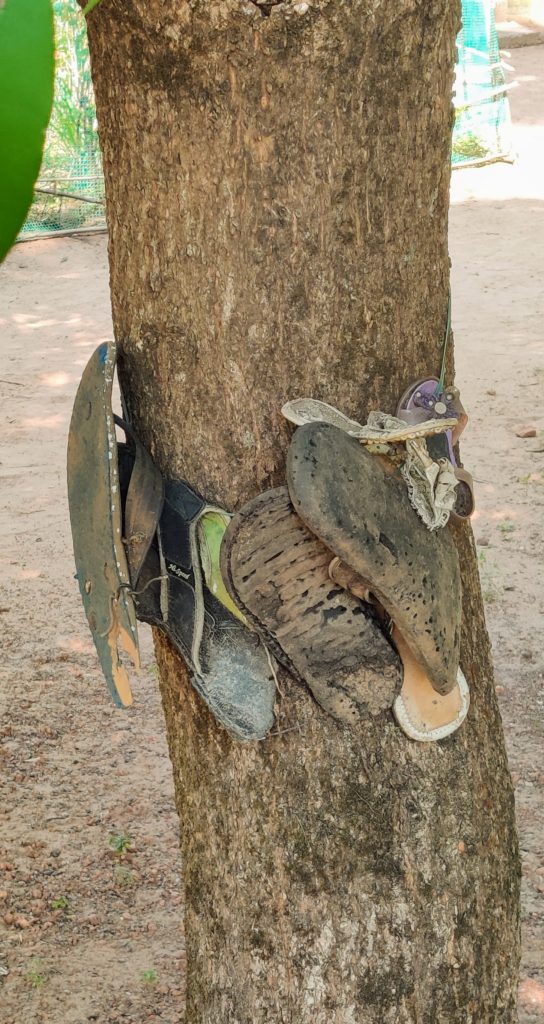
421	712
228	663
277	572
360	509
424	400
142	504
95	515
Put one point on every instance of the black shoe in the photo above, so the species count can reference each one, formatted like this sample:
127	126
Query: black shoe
229	665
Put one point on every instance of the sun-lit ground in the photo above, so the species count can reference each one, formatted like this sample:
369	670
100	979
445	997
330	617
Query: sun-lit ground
497	249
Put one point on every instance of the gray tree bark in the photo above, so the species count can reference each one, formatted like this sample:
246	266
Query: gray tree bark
277	180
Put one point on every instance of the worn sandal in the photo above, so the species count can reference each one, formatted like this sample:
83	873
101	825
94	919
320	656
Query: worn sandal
380	429
359	507
277	572
424	401
421	712
149	550
95	515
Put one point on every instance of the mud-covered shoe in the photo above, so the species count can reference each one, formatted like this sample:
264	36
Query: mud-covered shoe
422	713
277	572
228	663
357	504
96	518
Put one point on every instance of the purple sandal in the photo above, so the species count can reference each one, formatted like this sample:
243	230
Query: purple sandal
424	400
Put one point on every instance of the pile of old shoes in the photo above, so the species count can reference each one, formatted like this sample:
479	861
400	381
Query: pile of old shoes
349	588
148	549
361	511
333	575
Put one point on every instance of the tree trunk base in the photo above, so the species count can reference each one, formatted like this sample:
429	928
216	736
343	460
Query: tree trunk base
277	181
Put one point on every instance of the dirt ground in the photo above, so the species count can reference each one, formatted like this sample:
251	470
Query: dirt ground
90	896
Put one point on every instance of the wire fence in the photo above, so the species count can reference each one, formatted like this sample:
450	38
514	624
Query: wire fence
69	194
482	131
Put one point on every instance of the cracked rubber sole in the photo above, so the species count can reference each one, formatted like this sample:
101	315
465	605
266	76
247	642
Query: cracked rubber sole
277	572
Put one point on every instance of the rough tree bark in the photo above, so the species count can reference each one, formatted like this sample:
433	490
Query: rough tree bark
277	181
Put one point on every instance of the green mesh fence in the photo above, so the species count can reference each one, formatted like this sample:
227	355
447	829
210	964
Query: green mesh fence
71	166
482	130
70	190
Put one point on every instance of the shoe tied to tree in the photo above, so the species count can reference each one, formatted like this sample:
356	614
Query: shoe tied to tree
277	572
228	663
96	519
425	400
165	572
381	428
357	504
422	713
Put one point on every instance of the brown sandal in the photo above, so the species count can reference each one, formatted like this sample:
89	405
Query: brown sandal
277	572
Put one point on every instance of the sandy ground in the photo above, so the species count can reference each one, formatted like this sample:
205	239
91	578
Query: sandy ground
93	933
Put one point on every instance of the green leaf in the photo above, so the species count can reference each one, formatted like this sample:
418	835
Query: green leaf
26	95
90	6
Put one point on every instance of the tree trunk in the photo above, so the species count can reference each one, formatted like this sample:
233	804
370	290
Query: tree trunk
277	181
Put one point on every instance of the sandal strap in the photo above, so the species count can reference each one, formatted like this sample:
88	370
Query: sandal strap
143	506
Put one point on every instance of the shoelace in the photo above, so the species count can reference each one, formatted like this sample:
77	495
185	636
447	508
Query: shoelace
440	386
